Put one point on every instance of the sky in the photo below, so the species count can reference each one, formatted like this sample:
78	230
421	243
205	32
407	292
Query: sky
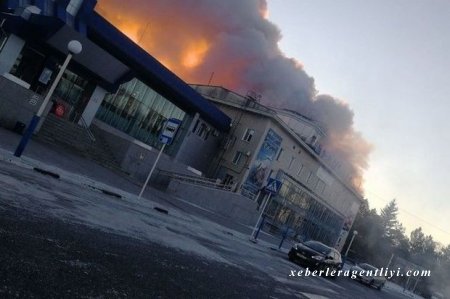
382	68
390	61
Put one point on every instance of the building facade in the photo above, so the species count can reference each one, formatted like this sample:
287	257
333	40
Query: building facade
113	83
313	201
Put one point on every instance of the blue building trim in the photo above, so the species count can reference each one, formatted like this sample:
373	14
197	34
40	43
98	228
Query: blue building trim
148	69
8	5
38	27
144	66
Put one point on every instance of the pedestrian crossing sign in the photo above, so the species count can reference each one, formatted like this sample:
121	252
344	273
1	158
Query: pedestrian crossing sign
273	186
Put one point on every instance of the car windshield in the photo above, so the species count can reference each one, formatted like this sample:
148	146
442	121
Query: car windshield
317	246
367	267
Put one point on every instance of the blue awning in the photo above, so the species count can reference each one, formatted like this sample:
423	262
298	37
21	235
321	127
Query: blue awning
152	72
55	34
118	60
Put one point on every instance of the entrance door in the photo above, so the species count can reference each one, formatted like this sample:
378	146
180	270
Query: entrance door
73	92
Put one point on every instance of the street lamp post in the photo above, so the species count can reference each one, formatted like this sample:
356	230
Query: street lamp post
355	233
74	48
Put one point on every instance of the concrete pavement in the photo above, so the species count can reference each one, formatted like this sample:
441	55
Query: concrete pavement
79	169
189	228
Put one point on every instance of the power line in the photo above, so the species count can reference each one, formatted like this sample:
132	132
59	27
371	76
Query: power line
412	214
425	221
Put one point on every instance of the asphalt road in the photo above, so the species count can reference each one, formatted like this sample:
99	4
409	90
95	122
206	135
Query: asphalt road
47	250
45	258
48	258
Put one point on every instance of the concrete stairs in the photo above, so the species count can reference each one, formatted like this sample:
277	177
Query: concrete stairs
75	138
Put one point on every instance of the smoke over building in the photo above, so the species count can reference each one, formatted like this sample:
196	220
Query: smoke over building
233	44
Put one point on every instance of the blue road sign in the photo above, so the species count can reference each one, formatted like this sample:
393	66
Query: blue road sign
170	130
273	186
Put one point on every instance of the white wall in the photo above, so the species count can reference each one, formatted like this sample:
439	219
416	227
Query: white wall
91	108
303	128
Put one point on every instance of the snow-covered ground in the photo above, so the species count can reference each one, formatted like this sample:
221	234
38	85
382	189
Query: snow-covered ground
77	198
71	199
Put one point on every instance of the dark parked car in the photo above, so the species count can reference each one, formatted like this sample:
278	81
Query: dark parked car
316	255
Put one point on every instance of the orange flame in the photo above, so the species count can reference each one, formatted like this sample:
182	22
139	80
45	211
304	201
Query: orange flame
163	39
240	47
131	30
195	53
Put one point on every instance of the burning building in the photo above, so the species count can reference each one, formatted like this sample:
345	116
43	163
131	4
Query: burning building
233	44
128	92
314	201
112	88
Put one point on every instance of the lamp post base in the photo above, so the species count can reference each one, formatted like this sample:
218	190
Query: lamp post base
27	135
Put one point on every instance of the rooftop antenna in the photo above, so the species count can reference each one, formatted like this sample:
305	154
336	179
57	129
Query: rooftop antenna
252	95
210	78
143	33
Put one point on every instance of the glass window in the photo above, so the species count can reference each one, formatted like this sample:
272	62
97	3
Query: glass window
291	163
248	135
208	131
317	221
228	179
139	111
320	187
309	176
71	87
279	154
300	168
237	158
202	130
195	126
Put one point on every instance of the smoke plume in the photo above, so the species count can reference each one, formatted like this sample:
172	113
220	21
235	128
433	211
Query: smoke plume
232	44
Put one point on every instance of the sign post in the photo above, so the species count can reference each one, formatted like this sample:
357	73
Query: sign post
166	137
273	186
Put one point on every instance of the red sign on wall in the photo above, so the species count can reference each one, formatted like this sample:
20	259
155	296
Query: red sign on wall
60	110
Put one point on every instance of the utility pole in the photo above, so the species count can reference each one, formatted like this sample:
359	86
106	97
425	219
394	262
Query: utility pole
390	261
355	233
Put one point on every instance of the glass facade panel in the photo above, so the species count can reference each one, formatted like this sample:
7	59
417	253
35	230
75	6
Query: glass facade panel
71	87
139	111
297	209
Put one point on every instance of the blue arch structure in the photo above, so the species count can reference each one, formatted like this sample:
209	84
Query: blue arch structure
98	30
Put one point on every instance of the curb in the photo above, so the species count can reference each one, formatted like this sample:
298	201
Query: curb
30	165
161	210
110	193
46	172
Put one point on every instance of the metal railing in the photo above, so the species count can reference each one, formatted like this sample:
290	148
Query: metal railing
86	128
195	180
250	194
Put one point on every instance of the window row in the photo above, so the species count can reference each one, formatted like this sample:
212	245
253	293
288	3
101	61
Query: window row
139	111
203	130
297	196
305	226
